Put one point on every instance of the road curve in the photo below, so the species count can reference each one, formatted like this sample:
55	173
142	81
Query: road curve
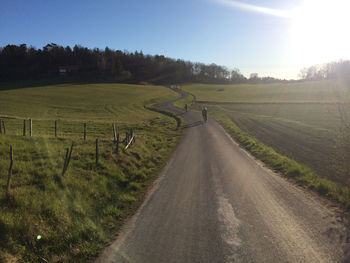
213	202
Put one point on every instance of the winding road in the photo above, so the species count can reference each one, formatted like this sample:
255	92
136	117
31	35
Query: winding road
213	202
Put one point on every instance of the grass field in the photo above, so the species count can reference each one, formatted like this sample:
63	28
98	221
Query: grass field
300	92
299	120
93	102
78	213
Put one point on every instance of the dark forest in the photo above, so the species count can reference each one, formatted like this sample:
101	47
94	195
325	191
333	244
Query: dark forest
27	63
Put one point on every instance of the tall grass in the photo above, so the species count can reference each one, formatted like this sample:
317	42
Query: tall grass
77	213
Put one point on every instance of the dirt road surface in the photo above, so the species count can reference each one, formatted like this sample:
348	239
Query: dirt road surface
213	202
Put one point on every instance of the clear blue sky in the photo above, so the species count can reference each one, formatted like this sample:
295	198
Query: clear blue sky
208	31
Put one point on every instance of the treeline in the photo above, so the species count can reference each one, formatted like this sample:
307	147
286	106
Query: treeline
333	70
22	63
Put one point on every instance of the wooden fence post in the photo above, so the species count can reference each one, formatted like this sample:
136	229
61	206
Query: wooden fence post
70	153
10	173
114	133
117	146
67	159
56	129
130	140
65	162
30	127
24	127
96	152
85	132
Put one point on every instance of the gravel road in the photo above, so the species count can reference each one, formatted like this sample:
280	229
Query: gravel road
213	202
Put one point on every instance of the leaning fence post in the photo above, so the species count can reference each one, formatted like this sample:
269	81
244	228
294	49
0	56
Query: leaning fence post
3	126
117	146
96	151
56	129
70	153
30	127
65	162
67	159
24	127
114	133
84	132
130	139
10	173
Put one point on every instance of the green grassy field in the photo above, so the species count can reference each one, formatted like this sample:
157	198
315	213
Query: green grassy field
77	214
300	92
298	120
93	102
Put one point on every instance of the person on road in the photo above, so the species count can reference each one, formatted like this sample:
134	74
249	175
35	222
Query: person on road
186	107
204	114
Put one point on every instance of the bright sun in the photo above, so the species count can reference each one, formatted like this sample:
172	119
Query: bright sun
321	31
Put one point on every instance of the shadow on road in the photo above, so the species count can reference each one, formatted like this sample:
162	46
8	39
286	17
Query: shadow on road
193	124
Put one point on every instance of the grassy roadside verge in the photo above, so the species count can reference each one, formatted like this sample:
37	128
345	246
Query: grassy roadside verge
78	213
285	166
179	120
181	103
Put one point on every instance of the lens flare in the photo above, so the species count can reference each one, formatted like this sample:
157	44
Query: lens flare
256	8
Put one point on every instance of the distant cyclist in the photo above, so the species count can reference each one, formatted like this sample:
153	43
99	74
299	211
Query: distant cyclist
204	114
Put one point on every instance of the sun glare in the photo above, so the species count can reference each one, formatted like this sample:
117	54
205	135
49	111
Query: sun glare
320	31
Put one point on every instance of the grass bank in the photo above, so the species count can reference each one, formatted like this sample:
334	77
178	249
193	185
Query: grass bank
188	100
179	120
77	214
302	174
